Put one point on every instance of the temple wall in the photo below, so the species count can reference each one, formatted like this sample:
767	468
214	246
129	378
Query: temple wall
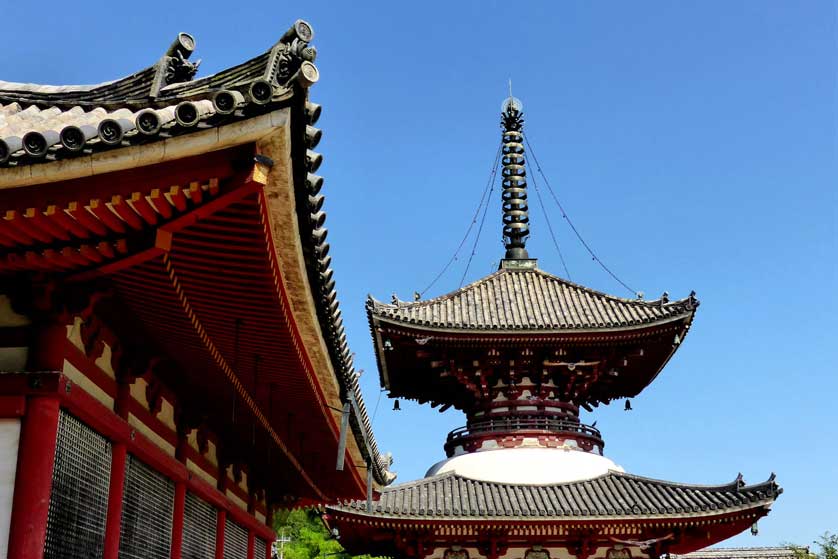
96	376
13	354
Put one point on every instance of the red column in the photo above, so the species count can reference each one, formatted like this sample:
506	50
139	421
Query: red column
33	481
269	521
177	519
219	534
251	544
113	523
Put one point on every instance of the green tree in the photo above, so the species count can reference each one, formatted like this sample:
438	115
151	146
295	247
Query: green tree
827	548
309	537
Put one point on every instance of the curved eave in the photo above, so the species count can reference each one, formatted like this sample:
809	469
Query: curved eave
362	515
608	489
528	300
318	313
529	332
130	157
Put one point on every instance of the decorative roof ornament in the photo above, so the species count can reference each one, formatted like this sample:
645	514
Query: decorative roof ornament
516	217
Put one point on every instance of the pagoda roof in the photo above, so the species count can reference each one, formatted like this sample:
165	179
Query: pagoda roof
742	553
450	496
530	300
44	123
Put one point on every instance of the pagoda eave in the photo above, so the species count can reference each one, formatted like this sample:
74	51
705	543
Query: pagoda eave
411	358
676	518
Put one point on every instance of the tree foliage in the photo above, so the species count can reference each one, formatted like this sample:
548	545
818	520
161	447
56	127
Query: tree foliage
826	548
309	537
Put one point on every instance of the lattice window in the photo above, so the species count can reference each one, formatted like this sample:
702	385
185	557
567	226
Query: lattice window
78	503
260	549
235	541
199	522
146	513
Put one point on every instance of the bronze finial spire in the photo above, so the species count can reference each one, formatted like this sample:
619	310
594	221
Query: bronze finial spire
516	218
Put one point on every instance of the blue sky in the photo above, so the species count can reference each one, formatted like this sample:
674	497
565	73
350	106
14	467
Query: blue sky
694	145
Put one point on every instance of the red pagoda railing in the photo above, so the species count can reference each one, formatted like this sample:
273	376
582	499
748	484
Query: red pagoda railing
473	434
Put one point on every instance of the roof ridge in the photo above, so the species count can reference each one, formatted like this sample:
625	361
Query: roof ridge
547	275
636	301
734	483
439	298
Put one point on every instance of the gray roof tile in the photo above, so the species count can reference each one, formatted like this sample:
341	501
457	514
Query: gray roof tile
530	300
611	494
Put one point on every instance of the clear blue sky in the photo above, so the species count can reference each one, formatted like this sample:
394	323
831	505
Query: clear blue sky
694	144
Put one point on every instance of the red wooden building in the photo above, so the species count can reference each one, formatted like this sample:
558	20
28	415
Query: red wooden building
173	363
521	352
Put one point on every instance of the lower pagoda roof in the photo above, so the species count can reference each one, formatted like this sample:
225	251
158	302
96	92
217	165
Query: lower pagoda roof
742	553
453	497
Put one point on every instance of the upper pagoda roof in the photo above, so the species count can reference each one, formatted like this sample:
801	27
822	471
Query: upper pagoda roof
530	300
450	496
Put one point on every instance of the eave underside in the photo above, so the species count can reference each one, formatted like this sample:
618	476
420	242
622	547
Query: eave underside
199	288
591	367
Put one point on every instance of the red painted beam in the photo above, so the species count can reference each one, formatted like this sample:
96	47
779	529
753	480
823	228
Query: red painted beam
177	520
113	522
12	406
8	229
101	210
195	192
160	203
63	220
178	198
43	223
140	204
121	207
26	227
221	521
86	219
33	483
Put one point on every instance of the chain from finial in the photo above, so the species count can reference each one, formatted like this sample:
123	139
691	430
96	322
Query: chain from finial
516	218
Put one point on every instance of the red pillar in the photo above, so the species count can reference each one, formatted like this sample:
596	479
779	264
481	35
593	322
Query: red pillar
113	522
33	482
219	534
180	493
269	521
251	544
177	519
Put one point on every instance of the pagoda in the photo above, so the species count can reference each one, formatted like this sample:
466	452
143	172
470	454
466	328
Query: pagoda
521	352
173	361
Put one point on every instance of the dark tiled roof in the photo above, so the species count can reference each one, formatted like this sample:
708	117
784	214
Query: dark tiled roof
516	299
42	122
161	94
452	496
742	553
